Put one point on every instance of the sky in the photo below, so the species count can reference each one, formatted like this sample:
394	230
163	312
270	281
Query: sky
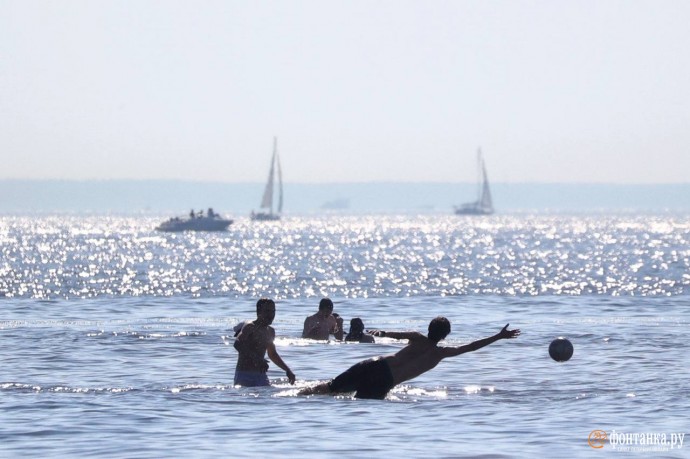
591	91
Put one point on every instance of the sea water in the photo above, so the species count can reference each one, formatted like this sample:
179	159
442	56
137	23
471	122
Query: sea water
117	340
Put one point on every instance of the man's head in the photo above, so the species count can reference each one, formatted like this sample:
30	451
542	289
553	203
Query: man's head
265	311
439	328
326	306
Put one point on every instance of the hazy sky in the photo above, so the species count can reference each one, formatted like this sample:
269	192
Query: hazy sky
553	91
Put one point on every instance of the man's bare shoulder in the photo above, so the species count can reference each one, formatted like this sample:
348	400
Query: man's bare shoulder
416	336
247	328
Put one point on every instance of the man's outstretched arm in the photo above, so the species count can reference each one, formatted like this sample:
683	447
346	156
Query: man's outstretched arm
397	335
503	334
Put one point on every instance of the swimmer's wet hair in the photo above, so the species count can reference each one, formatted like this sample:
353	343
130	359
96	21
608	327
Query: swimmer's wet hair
439	328
325	303
263	302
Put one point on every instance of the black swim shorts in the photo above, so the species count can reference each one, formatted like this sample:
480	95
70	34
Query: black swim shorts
369	379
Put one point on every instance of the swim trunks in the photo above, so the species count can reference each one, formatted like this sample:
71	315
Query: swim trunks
368	379
251	379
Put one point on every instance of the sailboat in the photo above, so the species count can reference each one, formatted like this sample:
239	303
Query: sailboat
266	213
483	205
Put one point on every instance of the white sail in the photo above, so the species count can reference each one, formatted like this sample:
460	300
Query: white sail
280	182
485	201
267	200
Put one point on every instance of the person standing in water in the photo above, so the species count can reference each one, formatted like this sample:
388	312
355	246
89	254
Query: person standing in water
374	378
324	323
253	342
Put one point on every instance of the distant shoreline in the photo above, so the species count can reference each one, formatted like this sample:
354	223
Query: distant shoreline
178	197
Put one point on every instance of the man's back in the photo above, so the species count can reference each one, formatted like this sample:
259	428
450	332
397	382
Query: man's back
420	355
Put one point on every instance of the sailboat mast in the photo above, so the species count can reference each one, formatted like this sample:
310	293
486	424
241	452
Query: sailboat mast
267	200
273	164
280	176
479	175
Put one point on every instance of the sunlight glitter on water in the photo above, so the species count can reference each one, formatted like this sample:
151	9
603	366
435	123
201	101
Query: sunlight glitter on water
354	257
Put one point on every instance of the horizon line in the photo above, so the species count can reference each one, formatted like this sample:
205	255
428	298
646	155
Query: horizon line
354	182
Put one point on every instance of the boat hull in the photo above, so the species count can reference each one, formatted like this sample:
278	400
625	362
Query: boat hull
196	224
473	210
265	217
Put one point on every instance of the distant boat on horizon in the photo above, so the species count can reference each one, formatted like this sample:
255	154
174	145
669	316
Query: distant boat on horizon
267	214
196	222
484	204
336	204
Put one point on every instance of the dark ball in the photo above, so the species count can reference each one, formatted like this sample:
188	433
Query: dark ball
561	349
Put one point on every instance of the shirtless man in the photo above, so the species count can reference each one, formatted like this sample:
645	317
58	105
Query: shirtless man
253	342
375	377
323	323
